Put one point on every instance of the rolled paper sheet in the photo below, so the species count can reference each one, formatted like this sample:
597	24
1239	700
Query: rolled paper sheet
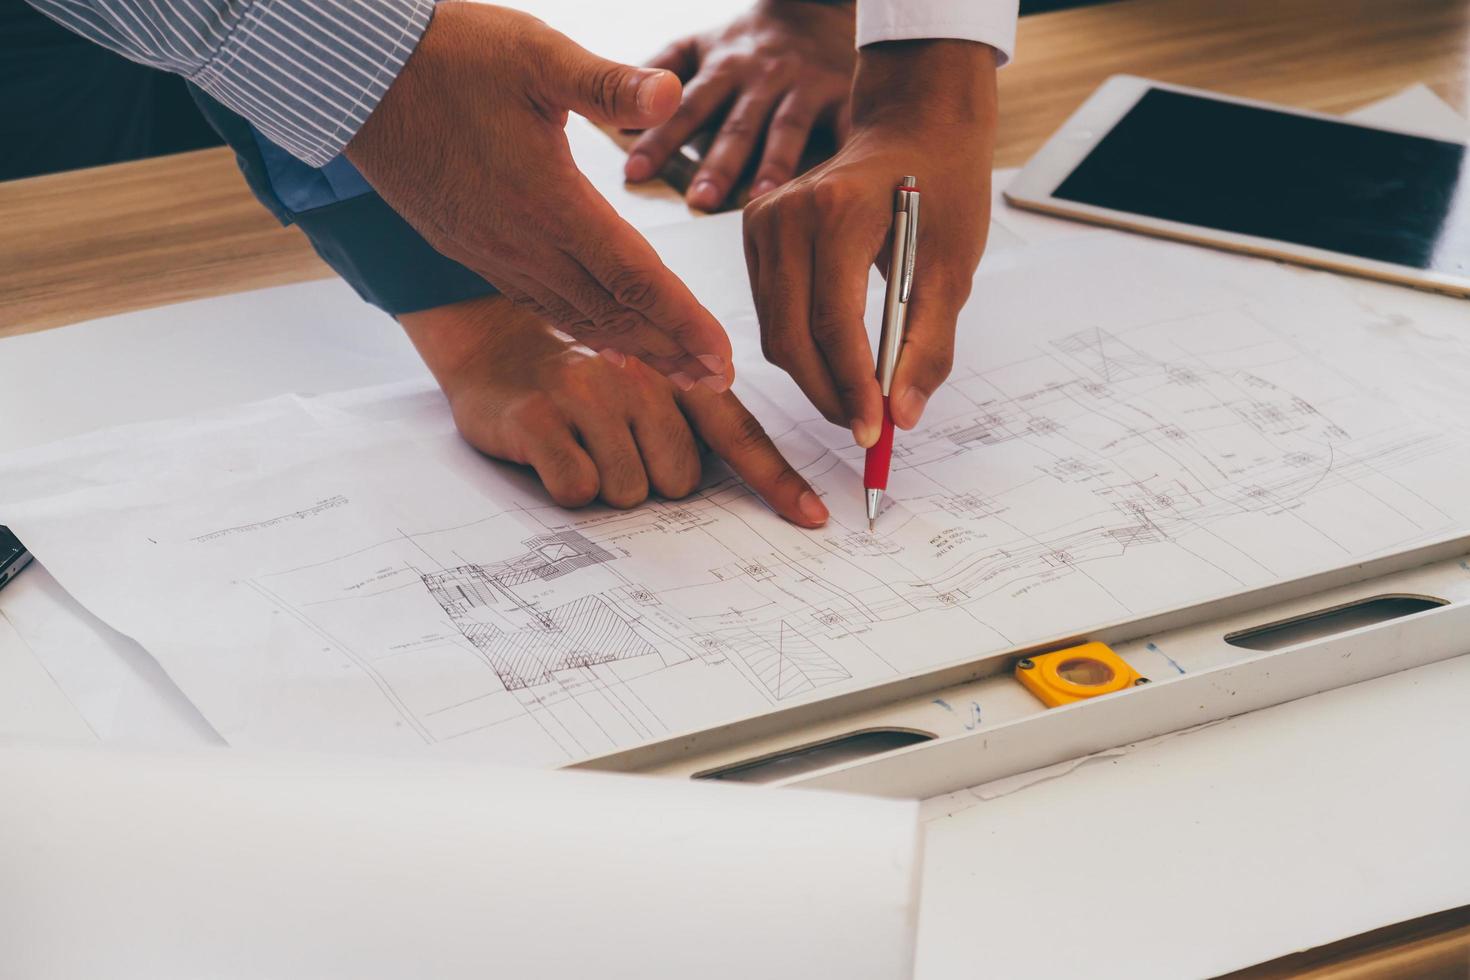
226	865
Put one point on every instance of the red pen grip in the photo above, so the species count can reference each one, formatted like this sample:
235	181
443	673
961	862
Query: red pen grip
875	467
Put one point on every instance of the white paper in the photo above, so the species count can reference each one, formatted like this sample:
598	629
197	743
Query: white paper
1175	424
1418	109
105	679
30	702
229	865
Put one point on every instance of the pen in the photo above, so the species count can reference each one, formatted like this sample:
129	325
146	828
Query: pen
890	341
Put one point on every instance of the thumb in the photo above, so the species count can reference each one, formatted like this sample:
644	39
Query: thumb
615	94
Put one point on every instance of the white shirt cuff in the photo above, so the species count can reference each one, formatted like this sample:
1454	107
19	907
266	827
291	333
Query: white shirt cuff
991	22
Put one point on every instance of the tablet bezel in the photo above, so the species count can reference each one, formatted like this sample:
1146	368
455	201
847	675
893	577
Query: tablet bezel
1034	186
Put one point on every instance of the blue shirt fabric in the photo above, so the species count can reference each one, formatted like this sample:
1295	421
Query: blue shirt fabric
353	229
302	187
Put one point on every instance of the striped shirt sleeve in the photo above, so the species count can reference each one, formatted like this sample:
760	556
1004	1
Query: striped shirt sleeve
307	73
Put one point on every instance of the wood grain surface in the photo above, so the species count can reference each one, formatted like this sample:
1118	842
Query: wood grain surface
93	242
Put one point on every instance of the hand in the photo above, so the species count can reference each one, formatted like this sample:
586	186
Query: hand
783	69
925	108
469	145
592	427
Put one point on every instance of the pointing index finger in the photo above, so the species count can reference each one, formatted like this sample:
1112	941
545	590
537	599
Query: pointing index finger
735	435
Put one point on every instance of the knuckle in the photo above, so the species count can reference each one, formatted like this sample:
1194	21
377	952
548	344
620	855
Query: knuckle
770	63
489	245
631	288
684	483
850	391
570	373
534	413
523	301
831	197
684	471
604	87
776	169
828	328
959	291
738	124
617	323
572	491
777	348
570	484
757	217
788	478
577	326
789	122
627	492
750	435
834	414
689	114
937	363
717	171
791	209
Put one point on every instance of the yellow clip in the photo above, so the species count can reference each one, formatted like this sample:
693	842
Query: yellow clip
1076	674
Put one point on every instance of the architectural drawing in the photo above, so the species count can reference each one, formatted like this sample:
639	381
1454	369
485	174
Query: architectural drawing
1097	455
1048	478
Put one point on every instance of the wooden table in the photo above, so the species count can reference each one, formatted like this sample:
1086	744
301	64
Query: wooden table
94	242
85	244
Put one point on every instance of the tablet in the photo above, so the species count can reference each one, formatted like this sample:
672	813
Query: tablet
1252	177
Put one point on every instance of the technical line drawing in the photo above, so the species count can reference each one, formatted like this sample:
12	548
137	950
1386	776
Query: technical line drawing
1061	473
787	663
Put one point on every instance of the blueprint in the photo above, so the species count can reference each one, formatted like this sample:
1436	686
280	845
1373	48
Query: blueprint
1130	426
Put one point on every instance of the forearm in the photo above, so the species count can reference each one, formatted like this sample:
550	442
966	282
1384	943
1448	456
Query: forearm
307	73
946	82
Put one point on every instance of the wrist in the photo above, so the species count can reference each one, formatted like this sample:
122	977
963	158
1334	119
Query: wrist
925	82
463	342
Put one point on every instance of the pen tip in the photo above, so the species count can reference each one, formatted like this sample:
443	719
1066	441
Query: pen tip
872	525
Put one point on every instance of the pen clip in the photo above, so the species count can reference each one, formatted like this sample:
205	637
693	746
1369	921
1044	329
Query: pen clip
910	245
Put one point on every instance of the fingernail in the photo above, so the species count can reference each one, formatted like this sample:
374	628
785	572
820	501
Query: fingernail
764	186
648	90
914	401
715	382
639	167
864	434
682	381
812	508
714	363
705	194
615	357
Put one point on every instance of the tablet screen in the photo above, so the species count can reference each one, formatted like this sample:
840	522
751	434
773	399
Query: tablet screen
1328	185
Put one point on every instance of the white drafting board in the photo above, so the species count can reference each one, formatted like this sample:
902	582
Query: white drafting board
1175	424
1210	850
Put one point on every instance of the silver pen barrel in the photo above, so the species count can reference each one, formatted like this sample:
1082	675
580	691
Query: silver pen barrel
900	281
